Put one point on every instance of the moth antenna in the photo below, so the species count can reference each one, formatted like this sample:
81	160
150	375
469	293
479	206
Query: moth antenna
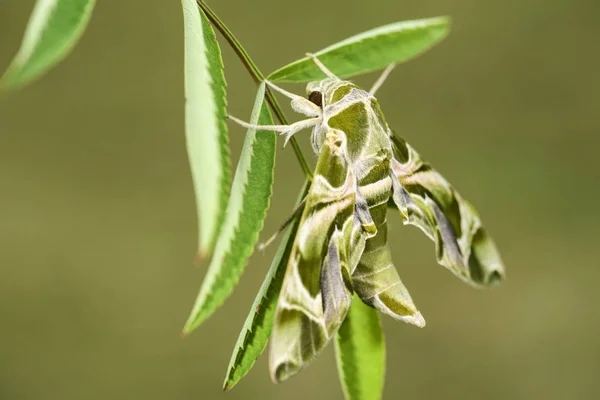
282	91
384	75
299	103
321	66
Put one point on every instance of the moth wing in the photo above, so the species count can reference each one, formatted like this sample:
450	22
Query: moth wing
316	291
377	283
375	278
426	200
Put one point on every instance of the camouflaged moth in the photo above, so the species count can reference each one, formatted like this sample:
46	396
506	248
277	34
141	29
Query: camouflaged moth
341	245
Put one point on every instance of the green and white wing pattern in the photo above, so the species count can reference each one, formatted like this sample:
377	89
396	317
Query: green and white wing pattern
341	245
425	199
375	278
316	291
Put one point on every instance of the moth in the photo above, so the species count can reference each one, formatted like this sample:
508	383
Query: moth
341	245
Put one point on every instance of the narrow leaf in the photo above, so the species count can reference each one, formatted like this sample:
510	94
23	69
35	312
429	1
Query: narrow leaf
360	353
247	208
206	131
54	28
369	51
259	323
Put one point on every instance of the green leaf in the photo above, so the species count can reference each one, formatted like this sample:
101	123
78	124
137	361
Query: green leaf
369	51
360	353
259	323
54	28
206	130
250	195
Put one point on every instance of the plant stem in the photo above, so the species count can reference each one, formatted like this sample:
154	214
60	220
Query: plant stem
258	78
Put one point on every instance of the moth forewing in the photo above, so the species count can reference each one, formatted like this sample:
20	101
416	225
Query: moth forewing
336	286
356	115
316	291
426	200
375	278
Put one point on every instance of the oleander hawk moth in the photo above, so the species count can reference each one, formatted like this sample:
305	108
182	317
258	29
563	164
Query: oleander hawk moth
341	246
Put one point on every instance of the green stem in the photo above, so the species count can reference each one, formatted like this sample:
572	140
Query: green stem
258	78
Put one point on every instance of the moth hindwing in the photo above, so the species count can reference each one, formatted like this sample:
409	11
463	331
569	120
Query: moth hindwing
341	246
425	199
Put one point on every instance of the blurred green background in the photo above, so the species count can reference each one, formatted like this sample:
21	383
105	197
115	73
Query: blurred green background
98	225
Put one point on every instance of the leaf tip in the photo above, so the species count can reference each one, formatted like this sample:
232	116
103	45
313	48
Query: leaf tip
196	318
189	326
7	82
200	257
446	22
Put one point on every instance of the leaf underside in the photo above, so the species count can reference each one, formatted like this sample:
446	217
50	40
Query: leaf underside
247	208
259	323
369	51
54	28
206	130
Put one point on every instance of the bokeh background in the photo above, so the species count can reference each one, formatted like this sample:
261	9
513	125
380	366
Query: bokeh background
98	225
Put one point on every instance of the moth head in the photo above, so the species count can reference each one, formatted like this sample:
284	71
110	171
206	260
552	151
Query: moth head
314	91
316	97
317	91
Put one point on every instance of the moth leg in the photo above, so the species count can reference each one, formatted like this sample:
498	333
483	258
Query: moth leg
384	75
298	126
287	130
298	210
274	128
299	103
321	66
